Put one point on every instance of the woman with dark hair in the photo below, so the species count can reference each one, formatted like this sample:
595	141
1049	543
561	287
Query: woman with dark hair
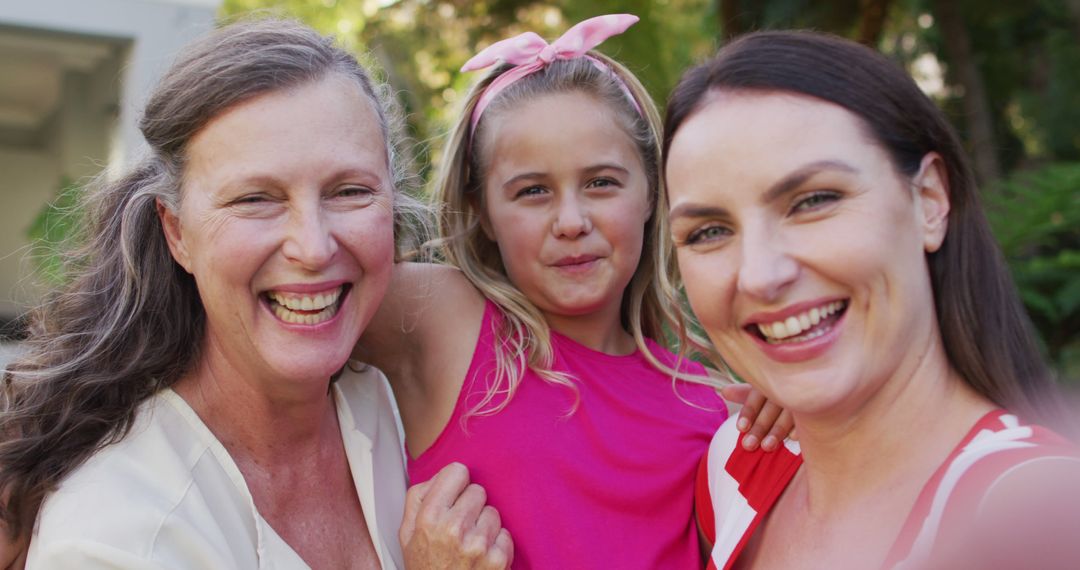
831	242
187	400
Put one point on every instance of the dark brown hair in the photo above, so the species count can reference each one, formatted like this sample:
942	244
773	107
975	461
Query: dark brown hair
986	333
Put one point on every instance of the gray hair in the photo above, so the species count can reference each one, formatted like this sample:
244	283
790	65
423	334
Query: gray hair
129	322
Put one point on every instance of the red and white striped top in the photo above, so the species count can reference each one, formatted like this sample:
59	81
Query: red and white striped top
735	488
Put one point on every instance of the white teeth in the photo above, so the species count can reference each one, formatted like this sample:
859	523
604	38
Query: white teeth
285	306
302	319
799	324
792	325
307	302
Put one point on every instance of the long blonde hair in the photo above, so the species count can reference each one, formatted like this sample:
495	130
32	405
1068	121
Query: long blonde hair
525	337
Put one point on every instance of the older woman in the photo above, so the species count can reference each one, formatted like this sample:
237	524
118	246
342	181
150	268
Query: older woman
187	400
832	245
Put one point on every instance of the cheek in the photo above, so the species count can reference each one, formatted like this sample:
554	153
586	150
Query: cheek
885	246
707	287
624	224
369	235
229	249
519	235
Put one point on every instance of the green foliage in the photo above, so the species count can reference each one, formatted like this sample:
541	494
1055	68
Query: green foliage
52	228
420	45
1025	54
1036	218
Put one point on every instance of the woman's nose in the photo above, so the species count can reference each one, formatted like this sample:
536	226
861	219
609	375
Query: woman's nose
765	269
310	242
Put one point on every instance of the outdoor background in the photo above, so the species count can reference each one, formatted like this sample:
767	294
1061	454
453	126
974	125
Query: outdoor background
1006	72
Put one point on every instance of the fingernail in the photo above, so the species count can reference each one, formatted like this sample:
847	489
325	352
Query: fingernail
769	443
743	424
750	442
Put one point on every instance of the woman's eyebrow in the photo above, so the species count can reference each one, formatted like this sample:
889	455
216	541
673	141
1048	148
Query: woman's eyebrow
800	175
692	210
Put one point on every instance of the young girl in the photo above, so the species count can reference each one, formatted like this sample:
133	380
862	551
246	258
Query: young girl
532	357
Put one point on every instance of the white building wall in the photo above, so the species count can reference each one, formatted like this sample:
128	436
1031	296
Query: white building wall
95	124
157	29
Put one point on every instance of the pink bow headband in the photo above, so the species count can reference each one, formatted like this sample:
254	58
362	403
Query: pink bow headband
530	53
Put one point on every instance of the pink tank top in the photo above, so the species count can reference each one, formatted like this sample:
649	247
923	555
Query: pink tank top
611	486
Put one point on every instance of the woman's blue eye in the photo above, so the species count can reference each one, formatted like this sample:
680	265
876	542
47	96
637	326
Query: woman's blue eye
815	200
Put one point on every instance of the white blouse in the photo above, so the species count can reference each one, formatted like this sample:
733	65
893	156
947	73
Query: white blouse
169	496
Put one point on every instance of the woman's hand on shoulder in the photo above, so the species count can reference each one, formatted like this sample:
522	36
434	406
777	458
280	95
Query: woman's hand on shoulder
764	423
448	524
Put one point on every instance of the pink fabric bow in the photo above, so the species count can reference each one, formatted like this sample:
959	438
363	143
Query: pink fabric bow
530	53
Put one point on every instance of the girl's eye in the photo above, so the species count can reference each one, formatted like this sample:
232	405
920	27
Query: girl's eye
530	191
815	200
602	183
707	234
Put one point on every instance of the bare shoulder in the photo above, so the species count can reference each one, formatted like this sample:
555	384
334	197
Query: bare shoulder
433	301
1052	482
1031	509
424	305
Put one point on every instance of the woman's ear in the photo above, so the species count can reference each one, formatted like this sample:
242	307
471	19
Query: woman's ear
174	236
931	187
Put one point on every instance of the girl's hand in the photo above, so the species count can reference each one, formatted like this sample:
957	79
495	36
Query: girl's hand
762	421
448	524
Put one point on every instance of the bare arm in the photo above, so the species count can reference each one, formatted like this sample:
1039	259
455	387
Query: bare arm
423	337
424	305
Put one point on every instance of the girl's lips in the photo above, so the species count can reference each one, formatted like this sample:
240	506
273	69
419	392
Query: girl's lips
576	265
575	260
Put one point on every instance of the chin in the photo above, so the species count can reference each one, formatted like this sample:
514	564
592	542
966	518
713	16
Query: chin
312	368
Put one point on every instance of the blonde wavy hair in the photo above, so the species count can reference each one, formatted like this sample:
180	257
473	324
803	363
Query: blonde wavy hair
459	199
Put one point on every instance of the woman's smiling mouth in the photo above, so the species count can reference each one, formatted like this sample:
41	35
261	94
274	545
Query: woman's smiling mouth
801	326
306	308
